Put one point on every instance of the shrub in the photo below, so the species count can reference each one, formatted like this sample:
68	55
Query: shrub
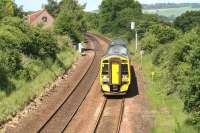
13	37
71	21
17	23
10	61
149	42
182	72
188	20
42	45
164	34
160	55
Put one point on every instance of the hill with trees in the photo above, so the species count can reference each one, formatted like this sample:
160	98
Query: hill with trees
169	5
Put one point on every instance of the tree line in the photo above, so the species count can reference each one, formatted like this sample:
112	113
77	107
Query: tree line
169	5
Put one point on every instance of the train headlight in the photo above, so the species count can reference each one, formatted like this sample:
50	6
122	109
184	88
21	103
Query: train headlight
105	78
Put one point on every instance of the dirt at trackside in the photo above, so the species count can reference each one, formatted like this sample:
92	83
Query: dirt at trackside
138	116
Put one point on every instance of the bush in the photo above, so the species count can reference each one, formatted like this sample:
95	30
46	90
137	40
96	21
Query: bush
158	35
15	33
149	42
5	84
42	45
13	38
182	65
160	55
18	40
31	70
17	23
10	61
71	21
164	34
188	21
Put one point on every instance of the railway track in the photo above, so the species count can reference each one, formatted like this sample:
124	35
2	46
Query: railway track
84	108
63	115
99	115
111	115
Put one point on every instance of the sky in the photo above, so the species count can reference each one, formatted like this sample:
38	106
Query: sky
33	5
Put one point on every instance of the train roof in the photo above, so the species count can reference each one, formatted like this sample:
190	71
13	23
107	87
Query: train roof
118	47
119	42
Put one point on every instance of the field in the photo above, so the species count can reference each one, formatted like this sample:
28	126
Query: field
171	12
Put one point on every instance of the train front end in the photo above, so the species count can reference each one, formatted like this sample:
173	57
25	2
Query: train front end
115	73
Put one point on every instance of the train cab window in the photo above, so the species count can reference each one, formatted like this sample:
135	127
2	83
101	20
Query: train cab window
105	69
117	50
105	61
124	69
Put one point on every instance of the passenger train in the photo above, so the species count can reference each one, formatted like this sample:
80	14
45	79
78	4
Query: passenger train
115	69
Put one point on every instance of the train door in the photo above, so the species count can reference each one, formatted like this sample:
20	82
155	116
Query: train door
115	73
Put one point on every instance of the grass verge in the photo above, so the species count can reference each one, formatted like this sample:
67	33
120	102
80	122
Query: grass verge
169	115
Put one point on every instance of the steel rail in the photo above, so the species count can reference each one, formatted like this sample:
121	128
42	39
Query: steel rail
88	92
101	115
121	115
92	67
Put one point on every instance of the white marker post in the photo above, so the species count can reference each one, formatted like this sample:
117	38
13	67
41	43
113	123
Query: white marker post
136	40
136	35
80	47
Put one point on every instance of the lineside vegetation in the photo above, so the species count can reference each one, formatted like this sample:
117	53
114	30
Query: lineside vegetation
30	59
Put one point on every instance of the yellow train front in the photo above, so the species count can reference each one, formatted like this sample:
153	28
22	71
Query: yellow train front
115	73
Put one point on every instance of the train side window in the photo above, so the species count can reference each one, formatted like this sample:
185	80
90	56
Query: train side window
105	69
124	69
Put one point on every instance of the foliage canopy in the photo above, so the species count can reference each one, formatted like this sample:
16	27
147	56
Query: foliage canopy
188	20
71	20
116	16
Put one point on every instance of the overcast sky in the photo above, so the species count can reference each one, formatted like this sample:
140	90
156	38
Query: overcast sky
33	5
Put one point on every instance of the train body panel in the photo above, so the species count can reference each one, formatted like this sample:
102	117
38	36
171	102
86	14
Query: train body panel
115	72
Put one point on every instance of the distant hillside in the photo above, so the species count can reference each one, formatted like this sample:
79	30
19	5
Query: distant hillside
170	10
169	5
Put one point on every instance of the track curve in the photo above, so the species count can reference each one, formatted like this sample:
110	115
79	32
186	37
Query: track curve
62	116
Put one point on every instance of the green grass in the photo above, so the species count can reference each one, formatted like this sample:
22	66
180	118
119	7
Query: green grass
26	91
171	12
169	115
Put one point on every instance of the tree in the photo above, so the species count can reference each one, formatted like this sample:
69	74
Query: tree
6	8
71	20
9	8
188	20
18	11
116	15
92	20
149	42
53	7
164	33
